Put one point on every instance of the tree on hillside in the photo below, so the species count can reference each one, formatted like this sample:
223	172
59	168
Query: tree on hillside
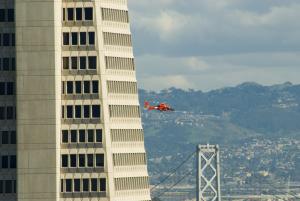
156	199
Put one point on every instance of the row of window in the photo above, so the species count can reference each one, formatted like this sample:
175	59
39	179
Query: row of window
131	183
90	62
7	64
81	111
7	112
82	136
80	63
9	162
7	39
8	137
122	87
82	160
83	185
8	186
7	15
115	15
79	38
118	63
78	14
7	88
127	135
80	87
129	159
117	39
122	111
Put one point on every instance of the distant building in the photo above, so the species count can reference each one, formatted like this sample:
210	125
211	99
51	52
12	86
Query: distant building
69	112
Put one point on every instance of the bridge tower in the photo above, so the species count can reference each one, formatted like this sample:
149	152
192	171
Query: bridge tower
208	176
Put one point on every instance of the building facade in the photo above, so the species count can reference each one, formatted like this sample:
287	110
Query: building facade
69	112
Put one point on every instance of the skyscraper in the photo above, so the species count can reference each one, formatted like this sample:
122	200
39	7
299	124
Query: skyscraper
69	112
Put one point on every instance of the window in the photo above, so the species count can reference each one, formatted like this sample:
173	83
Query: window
81	160
61	185
74	38
6	64
94	186
13	162
65	136
85	185
2	88
82	136
96	111
6	39
9	112
66	63
13	39
91	136
87	87
99	160
13	137
64	14
73	136
8	186
73	160
63	112
2	15
78	87
91	38
64	161
74	63
68	185
78	14
88	13
86	111
10	15
69	87
90	160
66	38
1	186
70	14
82	63
78	111
99	135
2	113
4	162
10	88
13	64
82	38
69	111
63	87
92	62
76	185
103	184
15	186
95	87
5	137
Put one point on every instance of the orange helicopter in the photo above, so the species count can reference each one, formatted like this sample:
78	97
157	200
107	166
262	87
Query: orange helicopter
162	107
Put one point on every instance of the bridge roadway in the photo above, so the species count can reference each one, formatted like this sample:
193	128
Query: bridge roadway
262	197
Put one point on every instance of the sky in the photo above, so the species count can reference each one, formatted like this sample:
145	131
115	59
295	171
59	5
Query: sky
210	44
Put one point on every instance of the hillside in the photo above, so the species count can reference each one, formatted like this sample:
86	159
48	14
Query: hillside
230	117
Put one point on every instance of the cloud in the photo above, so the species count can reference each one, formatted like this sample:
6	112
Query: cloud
212	72
198	38
215	28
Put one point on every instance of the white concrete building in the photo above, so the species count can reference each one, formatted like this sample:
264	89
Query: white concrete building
70	119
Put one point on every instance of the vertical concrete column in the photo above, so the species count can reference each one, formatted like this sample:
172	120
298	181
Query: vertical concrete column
38	99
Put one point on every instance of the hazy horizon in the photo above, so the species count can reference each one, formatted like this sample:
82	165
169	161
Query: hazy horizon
224	87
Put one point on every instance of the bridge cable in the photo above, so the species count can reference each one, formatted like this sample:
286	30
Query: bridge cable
174	171
170	188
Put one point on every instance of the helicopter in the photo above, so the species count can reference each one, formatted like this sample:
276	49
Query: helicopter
162	107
